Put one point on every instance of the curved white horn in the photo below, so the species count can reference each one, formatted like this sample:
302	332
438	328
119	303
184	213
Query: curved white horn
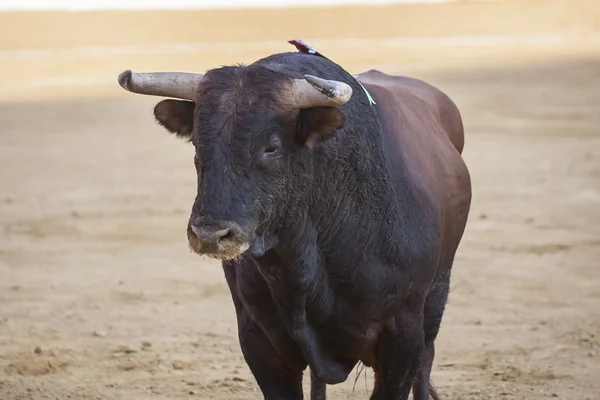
314	92
179	85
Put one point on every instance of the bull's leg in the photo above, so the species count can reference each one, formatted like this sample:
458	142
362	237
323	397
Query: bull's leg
422	387
434	309
277	380
399	349
318	388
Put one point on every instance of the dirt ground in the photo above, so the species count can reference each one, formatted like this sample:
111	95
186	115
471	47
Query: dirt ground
100	297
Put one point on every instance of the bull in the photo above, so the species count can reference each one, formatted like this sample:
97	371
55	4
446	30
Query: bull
336	204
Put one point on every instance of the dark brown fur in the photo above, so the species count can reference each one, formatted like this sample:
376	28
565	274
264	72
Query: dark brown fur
354	214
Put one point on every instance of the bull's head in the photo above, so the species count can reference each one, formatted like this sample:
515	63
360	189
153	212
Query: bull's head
249	126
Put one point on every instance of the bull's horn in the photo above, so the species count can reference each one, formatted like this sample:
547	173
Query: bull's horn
179	85
314	92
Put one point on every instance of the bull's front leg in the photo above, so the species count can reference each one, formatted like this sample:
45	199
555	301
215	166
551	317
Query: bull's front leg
399	348
273	358
318	389
277	379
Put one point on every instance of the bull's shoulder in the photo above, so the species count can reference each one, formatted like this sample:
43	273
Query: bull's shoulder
407	90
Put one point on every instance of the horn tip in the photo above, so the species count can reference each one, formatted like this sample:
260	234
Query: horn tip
124	79
342	91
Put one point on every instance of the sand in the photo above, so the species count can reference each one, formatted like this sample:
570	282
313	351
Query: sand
100	297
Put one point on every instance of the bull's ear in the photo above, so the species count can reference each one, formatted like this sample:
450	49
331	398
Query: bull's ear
177	116
318	123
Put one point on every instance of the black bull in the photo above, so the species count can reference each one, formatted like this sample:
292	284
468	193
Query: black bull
336	220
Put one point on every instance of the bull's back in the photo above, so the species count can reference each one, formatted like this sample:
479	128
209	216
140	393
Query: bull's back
415	90
426	132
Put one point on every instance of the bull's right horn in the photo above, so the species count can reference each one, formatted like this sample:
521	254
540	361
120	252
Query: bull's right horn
179	85
314	92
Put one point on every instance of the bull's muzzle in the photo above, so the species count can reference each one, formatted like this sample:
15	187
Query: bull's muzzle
223	240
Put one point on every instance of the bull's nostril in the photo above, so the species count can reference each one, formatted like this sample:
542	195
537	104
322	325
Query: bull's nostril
223	234
196	231
209	235
229	236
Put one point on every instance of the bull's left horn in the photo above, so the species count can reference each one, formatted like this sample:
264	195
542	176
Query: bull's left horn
314	92
179	85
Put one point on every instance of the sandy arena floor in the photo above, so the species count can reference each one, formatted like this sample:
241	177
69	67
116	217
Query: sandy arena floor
100	297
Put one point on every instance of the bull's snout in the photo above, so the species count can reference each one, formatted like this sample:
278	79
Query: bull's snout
211	235
219	239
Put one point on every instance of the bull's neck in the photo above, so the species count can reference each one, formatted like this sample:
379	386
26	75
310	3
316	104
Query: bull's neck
342	187
356	189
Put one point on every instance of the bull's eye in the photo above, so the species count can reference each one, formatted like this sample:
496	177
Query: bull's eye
272	147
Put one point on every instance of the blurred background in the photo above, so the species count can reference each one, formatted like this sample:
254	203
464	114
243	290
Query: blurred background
100	297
